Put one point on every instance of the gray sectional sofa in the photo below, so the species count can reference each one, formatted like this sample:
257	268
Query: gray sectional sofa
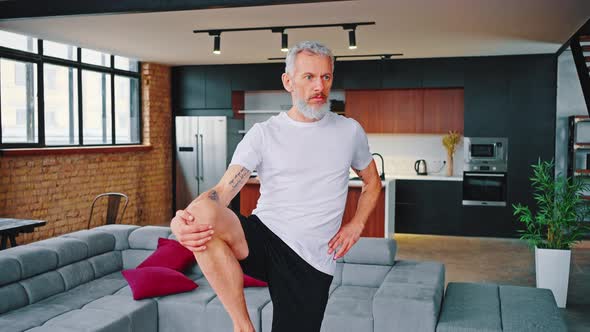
74	283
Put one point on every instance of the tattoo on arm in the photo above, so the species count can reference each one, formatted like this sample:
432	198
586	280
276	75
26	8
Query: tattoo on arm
238	178
213	195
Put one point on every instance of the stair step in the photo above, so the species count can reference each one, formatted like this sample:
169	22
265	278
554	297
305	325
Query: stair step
585	38
585	48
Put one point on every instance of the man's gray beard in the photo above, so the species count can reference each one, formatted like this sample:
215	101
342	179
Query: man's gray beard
309	112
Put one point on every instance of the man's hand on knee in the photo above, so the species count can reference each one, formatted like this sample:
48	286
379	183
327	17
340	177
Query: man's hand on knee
190	234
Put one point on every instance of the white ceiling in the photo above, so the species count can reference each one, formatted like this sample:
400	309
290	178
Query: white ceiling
417	28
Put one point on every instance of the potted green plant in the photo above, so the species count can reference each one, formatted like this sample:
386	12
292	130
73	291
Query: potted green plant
555	227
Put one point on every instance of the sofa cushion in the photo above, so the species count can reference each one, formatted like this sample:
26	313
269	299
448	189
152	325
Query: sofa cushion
179	312
133	257
350	308
143	314
69	250
120	232
170	254
410	297
368	250
92	320
157	281
12	297
32	260
147	237
42	286
11	269
219	320
106	263
364	275
470	307
30	316
77	297
96	241
529	309
76	274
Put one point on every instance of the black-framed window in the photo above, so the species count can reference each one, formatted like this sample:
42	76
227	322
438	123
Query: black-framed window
53	95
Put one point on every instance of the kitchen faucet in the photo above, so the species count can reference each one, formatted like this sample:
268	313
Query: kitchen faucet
382	175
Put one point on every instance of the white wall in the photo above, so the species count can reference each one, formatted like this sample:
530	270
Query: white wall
570	101
400	152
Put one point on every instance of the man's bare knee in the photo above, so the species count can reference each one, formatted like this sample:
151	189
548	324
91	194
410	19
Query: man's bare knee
226	225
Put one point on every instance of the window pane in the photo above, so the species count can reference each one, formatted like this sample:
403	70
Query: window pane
18	101
96	58
126	110
96	98
19	42
125	63
61	105
60	50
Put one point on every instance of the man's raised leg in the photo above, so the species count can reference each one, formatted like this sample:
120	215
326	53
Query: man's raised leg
219	262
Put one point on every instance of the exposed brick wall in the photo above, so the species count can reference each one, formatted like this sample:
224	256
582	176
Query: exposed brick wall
60	188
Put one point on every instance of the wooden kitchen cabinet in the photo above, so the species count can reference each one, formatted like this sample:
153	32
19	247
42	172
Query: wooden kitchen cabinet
375	226
404	111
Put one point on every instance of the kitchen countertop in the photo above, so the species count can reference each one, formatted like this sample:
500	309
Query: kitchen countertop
389	178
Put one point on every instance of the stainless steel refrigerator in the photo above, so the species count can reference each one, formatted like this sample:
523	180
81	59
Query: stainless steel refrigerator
201	150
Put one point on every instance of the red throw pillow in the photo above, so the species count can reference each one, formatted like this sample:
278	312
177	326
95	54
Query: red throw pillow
157	281
170	254
251	282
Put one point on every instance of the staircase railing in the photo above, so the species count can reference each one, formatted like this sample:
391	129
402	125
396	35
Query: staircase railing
582	62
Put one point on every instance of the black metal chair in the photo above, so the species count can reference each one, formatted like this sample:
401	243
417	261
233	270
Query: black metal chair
114	201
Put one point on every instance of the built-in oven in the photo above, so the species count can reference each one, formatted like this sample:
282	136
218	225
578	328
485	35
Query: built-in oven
485	172
485	188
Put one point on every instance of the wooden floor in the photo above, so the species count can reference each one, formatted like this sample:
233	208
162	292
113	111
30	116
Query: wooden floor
505	261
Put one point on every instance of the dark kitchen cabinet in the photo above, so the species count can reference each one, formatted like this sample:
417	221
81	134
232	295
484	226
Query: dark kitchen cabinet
217	87
188	87
201	88
487	101
402	73
428	207
252	77
357	75
443	72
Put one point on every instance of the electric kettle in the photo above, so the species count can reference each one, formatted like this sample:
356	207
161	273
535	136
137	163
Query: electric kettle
420	167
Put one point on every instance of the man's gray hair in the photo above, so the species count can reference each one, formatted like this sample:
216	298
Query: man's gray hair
306	46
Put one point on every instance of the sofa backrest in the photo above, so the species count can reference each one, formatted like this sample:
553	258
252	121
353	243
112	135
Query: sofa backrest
367	262
33	272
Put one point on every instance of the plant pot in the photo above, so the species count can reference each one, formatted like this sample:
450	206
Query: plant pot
552	271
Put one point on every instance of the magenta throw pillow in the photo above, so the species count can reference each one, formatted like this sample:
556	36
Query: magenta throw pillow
157	281
170	254
251	282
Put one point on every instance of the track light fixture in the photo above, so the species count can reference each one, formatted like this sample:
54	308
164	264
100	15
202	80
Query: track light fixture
216	41
351	35
284	37
336	57
284	42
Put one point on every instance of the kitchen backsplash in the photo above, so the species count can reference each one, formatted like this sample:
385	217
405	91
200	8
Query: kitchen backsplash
400	152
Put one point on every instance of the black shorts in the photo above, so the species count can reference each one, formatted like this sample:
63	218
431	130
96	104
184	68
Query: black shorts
299	292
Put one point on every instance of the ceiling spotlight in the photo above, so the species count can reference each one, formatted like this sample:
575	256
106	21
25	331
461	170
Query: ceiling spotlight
284	42
352	39
216	42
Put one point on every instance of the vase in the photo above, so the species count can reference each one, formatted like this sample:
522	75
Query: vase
449	164
552	270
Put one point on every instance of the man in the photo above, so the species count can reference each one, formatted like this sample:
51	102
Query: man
294	236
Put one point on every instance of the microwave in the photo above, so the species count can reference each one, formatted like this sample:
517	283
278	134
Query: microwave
486	150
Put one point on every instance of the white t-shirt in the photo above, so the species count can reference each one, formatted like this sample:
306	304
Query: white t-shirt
303	169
